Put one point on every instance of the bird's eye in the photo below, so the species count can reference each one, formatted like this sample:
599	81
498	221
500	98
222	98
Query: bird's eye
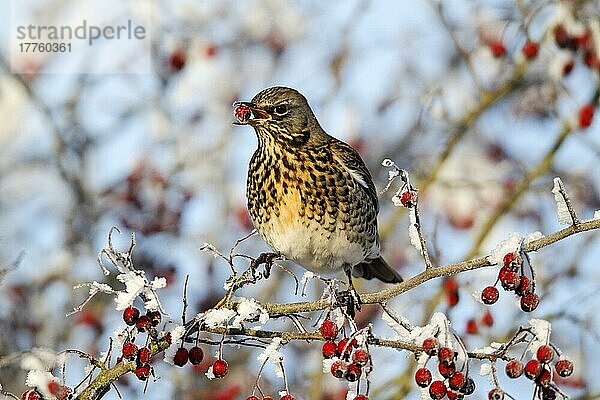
282	109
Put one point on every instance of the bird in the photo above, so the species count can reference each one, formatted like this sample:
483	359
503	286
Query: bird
309	195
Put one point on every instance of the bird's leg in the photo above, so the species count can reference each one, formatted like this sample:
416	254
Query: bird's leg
263	258
354	299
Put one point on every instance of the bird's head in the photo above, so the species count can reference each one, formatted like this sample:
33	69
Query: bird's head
278	113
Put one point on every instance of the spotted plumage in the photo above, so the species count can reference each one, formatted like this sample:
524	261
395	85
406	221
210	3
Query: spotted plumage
310	196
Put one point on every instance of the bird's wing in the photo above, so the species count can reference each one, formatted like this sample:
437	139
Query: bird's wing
353	163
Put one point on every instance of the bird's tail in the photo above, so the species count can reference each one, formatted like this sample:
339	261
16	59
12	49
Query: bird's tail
377	268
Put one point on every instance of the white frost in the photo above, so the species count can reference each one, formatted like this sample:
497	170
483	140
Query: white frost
491	349
534	236
210	374
176	335
352	390
249	309
134	284
159	283
542	329
486	369
391	319
119	337
218	317
510	245
96	287
338	317
564	217
413	232
307	276
596	215
272	353
327	363
40	379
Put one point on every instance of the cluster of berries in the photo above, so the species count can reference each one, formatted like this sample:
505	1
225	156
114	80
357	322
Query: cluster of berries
512	278
58	391
473	324
284	397
581	43
455	385
130	351
538	370
350	358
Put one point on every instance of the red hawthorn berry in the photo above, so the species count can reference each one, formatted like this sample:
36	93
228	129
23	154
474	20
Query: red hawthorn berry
252	397
544	378
548	393
496	394
168	338
545	354
31	394
353	372
328	329
530	49
338	369
508	279
472	328
452	299
423	377
525	286
514	369
509	258
454	396
177	59
360	357
181	357
408	198
210	50
287	397
361	397
562	38
430	346
437	390
329	349
446	355
143	371
447	370
144	355
487	319
532	369
457	381
564	368
143	323
568	67
129	350
344	347
57	390
497	48
196	355
469	387
242	114
131	315
220	368
154	317
490	295
583	41
267	398
529	302
586	116
590	59
451	285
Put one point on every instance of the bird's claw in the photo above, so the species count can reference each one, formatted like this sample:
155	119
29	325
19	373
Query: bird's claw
264	258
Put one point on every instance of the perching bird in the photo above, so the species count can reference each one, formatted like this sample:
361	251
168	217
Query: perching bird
310	196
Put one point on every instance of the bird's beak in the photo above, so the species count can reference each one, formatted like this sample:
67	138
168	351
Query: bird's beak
246	112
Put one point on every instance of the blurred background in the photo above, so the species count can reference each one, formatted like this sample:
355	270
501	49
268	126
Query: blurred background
442	88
